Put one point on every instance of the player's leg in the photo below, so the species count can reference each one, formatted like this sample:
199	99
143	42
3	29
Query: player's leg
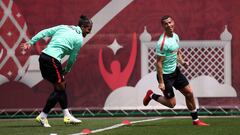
48	71
187	92
51	70
51	102
183	86
168	99
60	89
169	102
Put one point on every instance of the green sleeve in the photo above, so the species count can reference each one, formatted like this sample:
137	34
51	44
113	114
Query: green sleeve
44	33
72	58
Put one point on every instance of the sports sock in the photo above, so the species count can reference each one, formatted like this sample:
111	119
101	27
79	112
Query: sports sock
155	97
66	112
43	115
194	114
51	102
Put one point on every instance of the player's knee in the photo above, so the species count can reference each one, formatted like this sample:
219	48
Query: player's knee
189	95
172	104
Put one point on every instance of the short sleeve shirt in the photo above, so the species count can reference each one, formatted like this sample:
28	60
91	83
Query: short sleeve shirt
168	47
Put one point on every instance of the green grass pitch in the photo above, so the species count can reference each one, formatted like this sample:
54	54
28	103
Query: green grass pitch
165	126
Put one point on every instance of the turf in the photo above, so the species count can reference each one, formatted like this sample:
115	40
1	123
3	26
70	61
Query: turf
219	126
166	126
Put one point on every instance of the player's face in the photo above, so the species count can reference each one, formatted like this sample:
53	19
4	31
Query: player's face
86	30
168	25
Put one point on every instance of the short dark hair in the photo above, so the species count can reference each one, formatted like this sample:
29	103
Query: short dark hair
84	21
165	17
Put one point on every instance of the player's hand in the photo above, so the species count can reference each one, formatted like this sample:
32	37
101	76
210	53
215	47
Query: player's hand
161	86
25	46
185	64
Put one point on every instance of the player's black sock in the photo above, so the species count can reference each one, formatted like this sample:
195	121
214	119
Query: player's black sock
51	102
194	115
155	97
63	99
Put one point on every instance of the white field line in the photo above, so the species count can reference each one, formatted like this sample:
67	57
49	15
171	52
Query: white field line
117	126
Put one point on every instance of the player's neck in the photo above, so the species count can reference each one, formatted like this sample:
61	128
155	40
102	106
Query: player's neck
169	34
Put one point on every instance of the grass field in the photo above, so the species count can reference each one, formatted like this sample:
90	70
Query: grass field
164	126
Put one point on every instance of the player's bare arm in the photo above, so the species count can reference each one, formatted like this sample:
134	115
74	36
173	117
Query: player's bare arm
180	59
161	85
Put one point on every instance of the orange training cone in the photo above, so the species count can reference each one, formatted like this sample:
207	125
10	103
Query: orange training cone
86	131
126	122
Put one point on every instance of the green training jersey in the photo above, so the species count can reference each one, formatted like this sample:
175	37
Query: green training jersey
168	47
66	40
